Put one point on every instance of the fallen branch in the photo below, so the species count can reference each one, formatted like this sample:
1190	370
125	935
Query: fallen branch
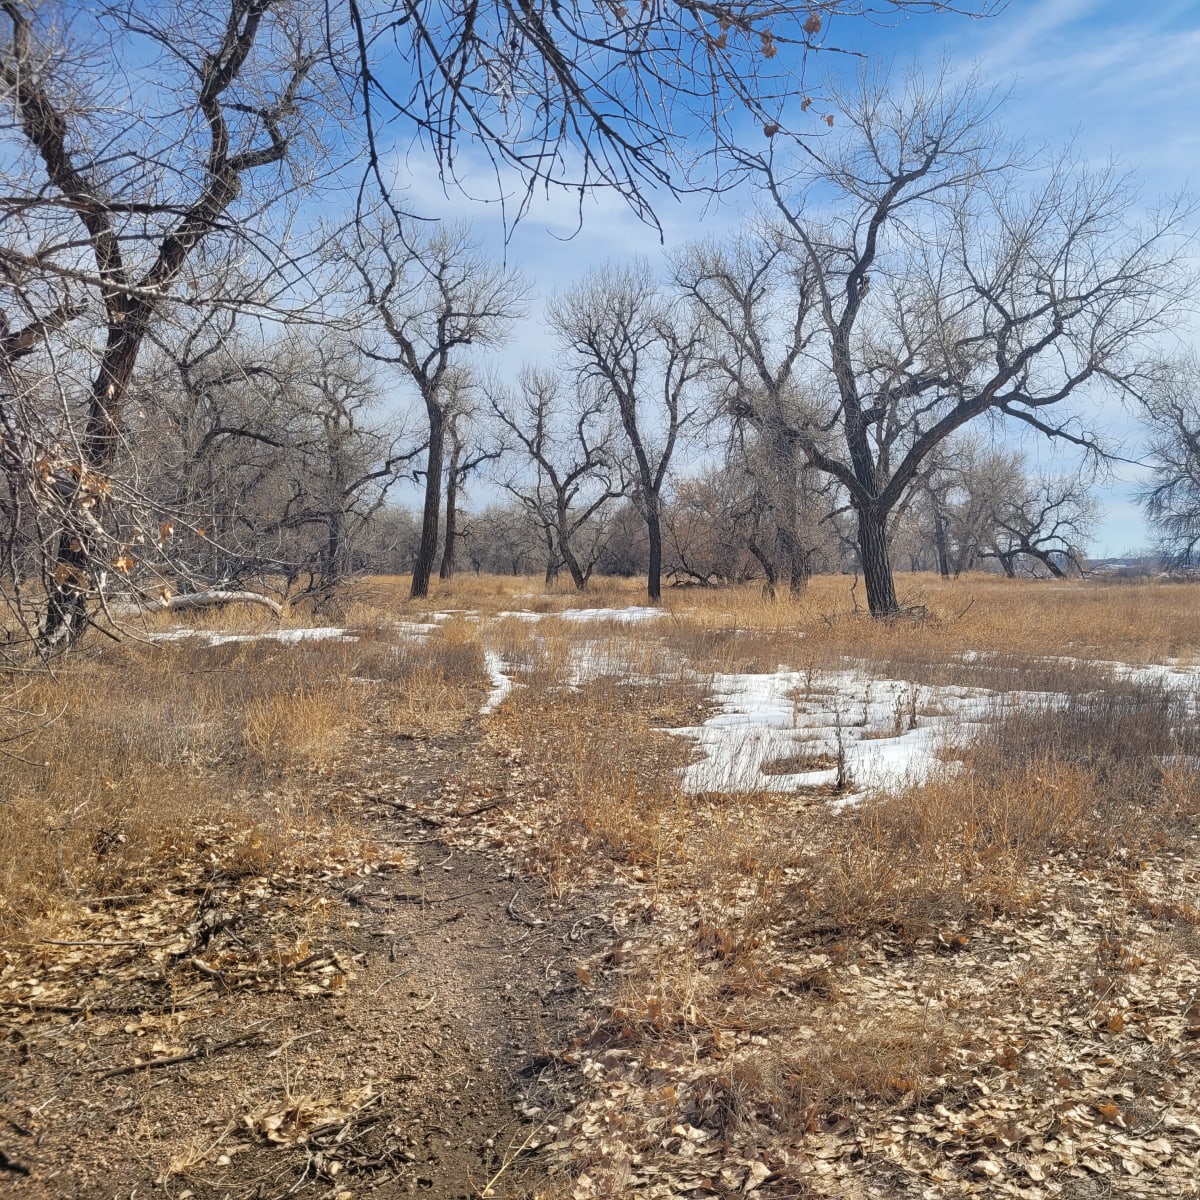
190	600
58	942
11	1164
188	1056
482	808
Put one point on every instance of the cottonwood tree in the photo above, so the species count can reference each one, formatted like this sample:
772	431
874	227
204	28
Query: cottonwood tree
712	529
638	353
566	438
953	279
955	497
137	134
984	504
753	300
436	296
1171	407
1047	521
266	458
345	461
470	448
507	540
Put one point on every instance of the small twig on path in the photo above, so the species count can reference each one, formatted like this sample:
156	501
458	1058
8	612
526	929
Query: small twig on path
197	1052
532	922
11	1164
390	979
474	812
57	942
200	965
299	1037
509	1159
418	898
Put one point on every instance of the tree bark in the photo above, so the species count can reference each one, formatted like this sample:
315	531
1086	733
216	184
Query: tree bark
446	570
565	553
431	517
876	565
768	568
654	535
939	540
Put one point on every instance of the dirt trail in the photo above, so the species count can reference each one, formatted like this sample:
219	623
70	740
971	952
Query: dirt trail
425	1075
455	1000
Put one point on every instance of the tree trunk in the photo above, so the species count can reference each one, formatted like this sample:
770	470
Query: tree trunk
940	541
566	554
876	565
768	568
427	551
654	535
332	567
446	571
1048	559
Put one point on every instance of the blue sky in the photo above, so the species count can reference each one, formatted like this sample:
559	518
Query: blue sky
1120	80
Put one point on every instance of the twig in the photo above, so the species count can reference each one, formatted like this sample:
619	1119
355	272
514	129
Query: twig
197	1052
299	1037
509	1159
57	942
418	898
482	808
532	922
204	969
398	805
390	979
10	1164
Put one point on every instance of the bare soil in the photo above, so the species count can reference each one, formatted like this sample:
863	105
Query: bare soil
409	1057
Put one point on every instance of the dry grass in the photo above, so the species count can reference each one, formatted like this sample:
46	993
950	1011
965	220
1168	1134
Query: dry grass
774	964
145	747
752	984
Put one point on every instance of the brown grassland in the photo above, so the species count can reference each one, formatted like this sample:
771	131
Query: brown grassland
987	983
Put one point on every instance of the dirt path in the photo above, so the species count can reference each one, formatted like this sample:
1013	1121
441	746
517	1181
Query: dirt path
416	1061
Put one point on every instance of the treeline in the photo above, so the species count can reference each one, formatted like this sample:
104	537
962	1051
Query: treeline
225	341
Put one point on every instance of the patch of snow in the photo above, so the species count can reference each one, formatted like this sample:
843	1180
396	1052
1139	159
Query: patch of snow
501	683
633	613
415	631
770	718
628	615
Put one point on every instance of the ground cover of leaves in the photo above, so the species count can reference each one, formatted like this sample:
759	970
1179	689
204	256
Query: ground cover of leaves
734	1040
522	966
367	1020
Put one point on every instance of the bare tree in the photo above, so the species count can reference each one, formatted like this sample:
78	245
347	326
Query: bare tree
1048	521
470	449
265	458
950	281
436	295
1172	497
641	355
569	441
712	529
754	301
105	205
345	464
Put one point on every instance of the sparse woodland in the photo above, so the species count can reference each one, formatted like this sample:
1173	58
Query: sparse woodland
700	760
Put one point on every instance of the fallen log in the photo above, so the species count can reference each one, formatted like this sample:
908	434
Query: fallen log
190	600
